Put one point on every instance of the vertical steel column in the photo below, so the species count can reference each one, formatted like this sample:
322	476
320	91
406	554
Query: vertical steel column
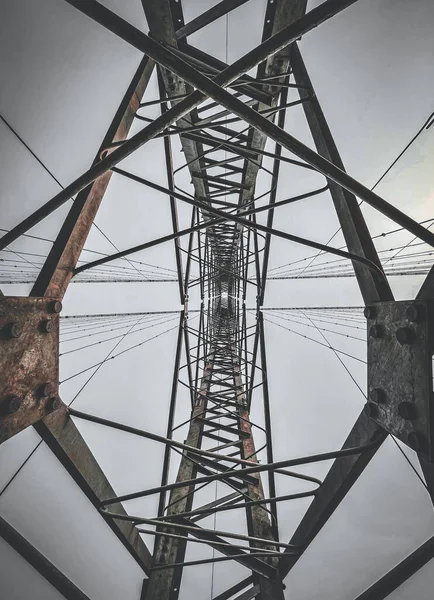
164	584
258	516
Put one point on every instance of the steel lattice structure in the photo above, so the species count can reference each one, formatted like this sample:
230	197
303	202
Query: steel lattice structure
200	97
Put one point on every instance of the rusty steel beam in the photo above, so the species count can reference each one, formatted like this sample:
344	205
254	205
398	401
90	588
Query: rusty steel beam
29	362
258	517
62	259
58	431
39	562
166	583
64	439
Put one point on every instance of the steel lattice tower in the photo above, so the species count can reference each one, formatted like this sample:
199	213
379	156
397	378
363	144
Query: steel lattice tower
203	102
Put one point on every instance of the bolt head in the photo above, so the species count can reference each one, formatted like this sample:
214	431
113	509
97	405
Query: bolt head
407	410
371	409
45	390
413	313
377	395
53	403
46	326
12	404
56	306
416	441
12	330
369	312
405	335
375	331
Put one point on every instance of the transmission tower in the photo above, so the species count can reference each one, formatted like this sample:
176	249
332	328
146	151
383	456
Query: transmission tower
223	119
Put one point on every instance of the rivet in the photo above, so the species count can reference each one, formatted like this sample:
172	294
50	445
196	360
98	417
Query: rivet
416	441
413	313
55	306
377	395
370	409
12	330
375	331
405	335
407	410
12	404
53	403
369	312
46	326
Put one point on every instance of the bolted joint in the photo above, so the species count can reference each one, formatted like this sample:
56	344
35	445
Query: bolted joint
55	307
405	335
377	395
417	441
376	331
11	405
407	410
12	330
414	313
371	410
46	326
369	312
53	403
44	390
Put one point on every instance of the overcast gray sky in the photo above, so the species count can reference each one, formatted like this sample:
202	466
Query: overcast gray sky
62	79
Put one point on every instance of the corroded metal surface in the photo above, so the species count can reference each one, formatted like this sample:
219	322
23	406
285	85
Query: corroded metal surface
29	362
400	371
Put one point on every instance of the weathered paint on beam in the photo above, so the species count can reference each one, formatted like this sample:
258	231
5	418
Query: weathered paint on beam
57	270
62	436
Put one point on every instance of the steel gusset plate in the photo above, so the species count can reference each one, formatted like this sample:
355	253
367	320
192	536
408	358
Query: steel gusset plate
400	374
29	362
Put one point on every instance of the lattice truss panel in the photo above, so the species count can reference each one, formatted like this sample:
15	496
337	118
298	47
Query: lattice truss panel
229	121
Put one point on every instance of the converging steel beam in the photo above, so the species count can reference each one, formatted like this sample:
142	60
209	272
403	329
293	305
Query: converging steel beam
343	473
224	216
214	89
55	275
165	584
356	233
171	183
105	17
39	562
66	442
214	13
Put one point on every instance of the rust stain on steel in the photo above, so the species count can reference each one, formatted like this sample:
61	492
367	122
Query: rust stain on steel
29	362
67	262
